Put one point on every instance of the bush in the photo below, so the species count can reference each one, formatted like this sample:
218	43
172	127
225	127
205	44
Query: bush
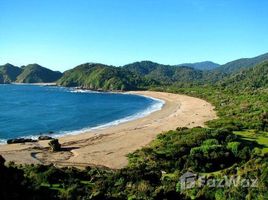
233	147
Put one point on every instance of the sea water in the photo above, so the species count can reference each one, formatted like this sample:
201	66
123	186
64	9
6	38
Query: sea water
30	111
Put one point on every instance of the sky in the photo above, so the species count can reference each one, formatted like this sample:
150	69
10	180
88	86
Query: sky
61	34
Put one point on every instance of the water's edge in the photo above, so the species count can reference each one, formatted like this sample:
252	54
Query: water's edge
158	105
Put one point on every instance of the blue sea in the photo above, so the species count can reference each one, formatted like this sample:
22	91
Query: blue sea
30	111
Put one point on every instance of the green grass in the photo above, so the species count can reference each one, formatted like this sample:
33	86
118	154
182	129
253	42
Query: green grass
89	183
170	176
260	137
57	187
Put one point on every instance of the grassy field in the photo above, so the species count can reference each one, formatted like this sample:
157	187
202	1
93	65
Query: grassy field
259	136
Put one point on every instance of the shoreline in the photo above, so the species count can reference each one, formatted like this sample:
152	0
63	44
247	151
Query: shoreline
36	84
156	106
108	147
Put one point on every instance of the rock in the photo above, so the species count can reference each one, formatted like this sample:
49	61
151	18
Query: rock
44	137
54	145
19	140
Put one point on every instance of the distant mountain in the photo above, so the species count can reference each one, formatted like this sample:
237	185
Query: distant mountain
137	75
243	63
142	68
9	73
35	73
206	65
103	77
164	73
255	77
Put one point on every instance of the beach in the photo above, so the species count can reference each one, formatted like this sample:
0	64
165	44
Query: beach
108	147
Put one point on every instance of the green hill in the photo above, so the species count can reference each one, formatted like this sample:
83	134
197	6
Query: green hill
9	73
35	73
103	77
164	73
206	65
240	64
1	79
253	78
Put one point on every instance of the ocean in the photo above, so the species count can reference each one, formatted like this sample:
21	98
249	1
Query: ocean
30	111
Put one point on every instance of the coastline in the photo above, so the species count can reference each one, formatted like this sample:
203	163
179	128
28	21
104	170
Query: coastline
108	147
157	105
37	84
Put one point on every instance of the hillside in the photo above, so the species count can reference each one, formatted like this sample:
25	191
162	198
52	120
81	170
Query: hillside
1	79
243	63
35	73
164	73
102	77
9	73
255	77
206	65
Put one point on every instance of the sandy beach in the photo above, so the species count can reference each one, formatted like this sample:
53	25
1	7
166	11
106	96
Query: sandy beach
109	147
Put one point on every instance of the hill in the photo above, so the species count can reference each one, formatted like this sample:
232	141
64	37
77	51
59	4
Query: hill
1	79
240	64
9	73
35	73
103	77
164	73
206	65
252	78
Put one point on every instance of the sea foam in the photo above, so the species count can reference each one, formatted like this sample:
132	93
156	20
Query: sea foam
156	106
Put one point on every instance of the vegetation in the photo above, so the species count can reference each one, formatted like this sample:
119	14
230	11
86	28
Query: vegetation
249	79
164	74
206	65
102	77
243	63
232	146
9	73
32	73
35	73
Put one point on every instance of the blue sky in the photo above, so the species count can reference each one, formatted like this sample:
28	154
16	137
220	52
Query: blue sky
61	34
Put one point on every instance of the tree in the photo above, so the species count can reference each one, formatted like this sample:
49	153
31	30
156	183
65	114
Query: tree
264	120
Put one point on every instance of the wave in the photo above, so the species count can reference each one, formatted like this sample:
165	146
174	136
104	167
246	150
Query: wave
156	106
74	90
3	141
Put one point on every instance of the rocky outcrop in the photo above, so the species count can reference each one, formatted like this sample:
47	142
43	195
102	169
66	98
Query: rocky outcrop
44	137
20	140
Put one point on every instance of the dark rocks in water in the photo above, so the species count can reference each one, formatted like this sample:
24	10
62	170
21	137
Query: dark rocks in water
44	137
54	145
20	140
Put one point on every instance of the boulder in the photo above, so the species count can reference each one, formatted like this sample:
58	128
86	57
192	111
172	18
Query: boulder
19	140
54	145
44	137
